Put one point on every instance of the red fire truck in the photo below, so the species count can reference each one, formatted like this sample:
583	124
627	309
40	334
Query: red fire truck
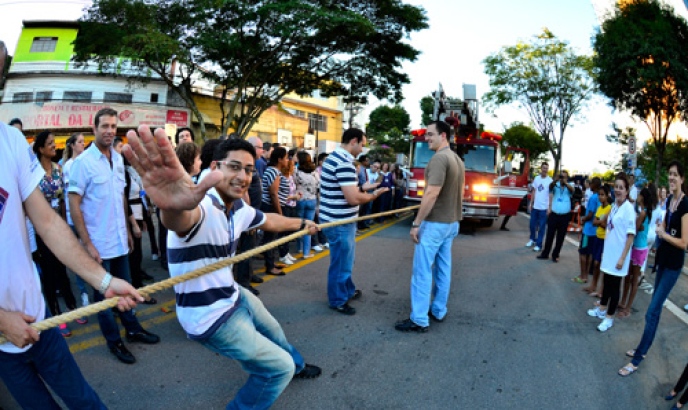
495	184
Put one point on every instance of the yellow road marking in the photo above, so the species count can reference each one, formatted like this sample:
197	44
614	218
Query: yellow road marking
98	340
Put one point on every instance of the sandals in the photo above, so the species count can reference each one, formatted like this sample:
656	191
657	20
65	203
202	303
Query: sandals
578	279
280	272
627	370
631	353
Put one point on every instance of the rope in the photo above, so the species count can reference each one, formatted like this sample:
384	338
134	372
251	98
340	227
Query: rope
170	282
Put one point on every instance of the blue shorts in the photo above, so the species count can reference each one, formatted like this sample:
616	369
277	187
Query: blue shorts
586	244
597	248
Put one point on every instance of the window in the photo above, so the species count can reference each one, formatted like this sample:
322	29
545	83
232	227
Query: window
317	122
299	113
79	96
117	98
479	158
43	96
43	45
154	97
22	97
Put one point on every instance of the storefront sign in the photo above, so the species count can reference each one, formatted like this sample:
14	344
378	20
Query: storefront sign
55	116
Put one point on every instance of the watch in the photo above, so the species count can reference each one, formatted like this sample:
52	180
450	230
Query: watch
415	225
105	283
360	188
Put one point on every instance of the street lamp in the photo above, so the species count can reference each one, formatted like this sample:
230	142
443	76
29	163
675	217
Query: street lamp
354	110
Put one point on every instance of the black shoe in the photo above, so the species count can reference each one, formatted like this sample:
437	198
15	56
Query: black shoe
345	309
252	290
541	256
308	372
408	326
145	276
120	351
143	337
256	279
357	295
435	318
504	228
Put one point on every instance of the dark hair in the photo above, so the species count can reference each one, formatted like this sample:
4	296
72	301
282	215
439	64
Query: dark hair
267	146
595	183
104	112
117	140
648	202
39	142
352	134
442	128
679	167
207	153
16	121
187	154
305	163
621	176
232	145
69	150
605	188
291	153
180	130
362	158
322	156
276	155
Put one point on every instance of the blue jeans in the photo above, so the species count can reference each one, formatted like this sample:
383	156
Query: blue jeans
340	287
538	221
305	209
253	337
664	282
80	283
432	261
119	268
47	362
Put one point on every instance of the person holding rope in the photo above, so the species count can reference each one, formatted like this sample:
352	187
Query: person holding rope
433	231
205	222
30	361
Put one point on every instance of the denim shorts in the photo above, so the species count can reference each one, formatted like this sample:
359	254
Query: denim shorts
586	244
597	248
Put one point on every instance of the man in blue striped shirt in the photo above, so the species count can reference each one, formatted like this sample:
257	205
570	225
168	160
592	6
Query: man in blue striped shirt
340	196
205	223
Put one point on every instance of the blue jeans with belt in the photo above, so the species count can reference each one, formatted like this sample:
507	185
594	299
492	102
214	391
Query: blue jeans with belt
432	262
340	287
119	268
664	282
49	362
255	339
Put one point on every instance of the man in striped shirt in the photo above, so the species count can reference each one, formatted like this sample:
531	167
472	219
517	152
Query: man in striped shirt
205	224
340	196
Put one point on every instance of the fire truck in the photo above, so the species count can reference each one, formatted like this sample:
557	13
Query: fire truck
495	183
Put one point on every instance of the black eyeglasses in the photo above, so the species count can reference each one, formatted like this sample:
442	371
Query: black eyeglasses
237	166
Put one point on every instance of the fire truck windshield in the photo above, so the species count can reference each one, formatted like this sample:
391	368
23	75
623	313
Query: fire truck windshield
479	158
421	154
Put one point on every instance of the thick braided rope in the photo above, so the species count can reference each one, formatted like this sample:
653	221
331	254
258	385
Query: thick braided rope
170	282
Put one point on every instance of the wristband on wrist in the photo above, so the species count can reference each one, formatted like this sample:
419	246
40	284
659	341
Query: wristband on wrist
415	225
105	283
303	224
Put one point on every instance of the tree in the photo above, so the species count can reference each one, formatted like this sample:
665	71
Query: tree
427	104
648	159
547	79
619	137
522	136
257	51
643	66
390	126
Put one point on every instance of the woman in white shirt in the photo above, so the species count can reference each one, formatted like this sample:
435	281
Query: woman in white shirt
307	184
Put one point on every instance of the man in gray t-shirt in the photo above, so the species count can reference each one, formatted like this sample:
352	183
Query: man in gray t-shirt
435	227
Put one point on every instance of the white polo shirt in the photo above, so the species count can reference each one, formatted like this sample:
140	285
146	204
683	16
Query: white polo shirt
540	195
102	191
20	173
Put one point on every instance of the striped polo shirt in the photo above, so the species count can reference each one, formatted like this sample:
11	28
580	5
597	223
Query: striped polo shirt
338	170
205	303
269	176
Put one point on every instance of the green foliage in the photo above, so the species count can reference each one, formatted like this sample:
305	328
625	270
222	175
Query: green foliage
390	126
427	104
620	137
643	66
547	79
258	51
648	159
522	136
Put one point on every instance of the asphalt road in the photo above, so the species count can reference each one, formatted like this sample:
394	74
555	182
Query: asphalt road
516	336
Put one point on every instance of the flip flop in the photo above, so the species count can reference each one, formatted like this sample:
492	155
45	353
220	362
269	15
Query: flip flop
627	370
578	279
280	273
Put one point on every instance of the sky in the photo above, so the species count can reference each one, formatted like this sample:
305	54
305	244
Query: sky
461	34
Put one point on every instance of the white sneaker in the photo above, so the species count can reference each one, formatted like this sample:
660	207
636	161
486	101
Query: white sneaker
310	255
529	244
155	257
84	299
291	258
317	248
327	245
285	260
605	325
536	249
600	314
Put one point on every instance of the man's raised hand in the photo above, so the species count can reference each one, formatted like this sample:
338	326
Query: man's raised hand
164	179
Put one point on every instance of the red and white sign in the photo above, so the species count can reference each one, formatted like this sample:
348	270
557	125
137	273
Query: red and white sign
55	116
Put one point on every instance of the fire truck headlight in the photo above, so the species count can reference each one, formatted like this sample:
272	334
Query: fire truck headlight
413	184
421	183
481	188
